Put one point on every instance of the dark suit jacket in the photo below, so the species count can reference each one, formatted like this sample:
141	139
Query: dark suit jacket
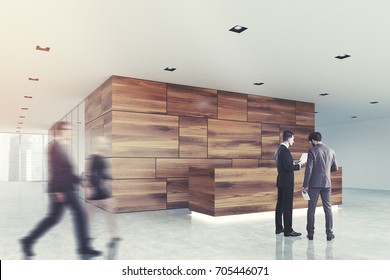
61	176
286	168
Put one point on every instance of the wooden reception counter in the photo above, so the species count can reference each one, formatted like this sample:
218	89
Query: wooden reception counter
231	191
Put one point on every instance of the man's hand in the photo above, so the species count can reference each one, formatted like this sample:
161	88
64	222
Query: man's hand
59	197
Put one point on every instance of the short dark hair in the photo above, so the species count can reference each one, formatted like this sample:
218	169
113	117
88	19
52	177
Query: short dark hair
61	125
287	134
316	136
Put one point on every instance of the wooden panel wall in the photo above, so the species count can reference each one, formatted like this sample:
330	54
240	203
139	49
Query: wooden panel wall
144	135
159	131
191	101
138	96
193	137
230	139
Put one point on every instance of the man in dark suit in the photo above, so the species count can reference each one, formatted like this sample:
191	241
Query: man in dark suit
62	193
321	160
285	183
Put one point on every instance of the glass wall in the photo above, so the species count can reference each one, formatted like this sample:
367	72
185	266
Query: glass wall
23	157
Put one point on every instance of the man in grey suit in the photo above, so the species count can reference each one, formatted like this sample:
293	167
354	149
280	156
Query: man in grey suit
321	160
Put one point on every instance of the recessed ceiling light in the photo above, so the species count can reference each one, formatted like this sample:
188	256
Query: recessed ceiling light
324	94
33	79
342	56
374	102
28	96
170	69
354	117
258	84
238	29
22	117
45	49
24	108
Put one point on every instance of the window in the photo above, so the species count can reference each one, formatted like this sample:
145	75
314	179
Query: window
23	157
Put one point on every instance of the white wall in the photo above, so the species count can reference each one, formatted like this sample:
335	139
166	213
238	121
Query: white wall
363	150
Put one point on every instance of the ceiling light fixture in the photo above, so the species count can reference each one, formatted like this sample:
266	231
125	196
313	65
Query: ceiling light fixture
342	56
22	117
24	108
324	94
44	49
374	102
170	69
238	29
33	79
258	84
354	117
28	96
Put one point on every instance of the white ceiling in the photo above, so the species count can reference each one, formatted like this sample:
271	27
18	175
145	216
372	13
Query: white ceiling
290	46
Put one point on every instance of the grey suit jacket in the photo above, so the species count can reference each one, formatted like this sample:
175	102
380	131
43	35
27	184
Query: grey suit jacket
321	160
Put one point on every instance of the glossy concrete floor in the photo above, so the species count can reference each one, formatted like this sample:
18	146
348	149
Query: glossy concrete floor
361	226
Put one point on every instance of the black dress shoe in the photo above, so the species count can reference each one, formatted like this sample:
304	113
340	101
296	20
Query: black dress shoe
292	234
310	236
26	247
329	237
278	231
89	251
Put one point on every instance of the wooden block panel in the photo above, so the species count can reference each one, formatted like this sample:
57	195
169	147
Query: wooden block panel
232	106
201	191
138	95
177	193
144	135
301	143
267	163
271	110
170	168
245	163
193	137
270	140
133	168
244	190
100	126
305	114
98	102
337	190
231	139
244	198
191	101
93	107
139	195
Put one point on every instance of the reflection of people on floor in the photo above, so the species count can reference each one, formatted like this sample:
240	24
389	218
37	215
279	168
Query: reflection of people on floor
96	189
62	192
329	251
310	252
310	255
284	247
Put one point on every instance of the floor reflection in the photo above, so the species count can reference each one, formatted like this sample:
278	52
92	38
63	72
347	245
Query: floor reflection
112	246
284	247
310	252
